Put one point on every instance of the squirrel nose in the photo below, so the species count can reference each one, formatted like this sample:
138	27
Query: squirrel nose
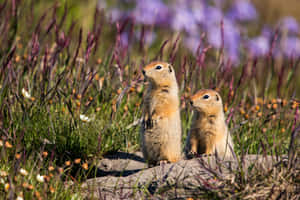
144	73
191	102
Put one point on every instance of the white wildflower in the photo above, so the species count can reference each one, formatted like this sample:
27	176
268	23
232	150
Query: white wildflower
26	94
75	196
1	143
81	60
19	198
3	173
40	178
23	172
85	118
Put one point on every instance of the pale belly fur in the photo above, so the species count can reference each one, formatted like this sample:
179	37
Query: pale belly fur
163	140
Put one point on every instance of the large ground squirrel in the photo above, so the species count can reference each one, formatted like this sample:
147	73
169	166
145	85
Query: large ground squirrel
208	133
161	126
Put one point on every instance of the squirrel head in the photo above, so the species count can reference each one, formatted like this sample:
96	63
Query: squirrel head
159	74
207	101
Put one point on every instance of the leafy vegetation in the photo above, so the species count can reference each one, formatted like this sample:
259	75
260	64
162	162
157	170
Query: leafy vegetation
70	95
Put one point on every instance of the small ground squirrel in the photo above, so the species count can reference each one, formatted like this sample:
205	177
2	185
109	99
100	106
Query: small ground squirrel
161	125
208	133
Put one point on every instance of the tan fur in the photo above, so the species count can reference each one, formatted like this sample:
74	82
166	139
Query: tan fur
208	133
161	127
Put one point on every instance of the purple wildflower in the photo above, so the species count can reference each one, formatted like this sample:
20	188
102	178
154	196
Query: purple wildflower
232	53
183	20
259	46
289	24
115	14
192	42
267	32
231	39
124	39
291	46
214	36
242	10
198	10
151	12
213	16
149	36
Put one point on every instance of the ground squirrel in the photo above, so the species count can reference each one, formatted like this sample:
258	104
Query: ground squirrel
161	125
208	133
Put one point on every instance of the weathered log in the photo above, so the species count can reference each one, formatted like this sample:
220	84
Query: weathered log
126	176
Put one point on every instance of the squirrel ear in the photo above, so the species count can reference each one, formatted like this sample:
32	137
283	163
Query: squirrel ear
170	68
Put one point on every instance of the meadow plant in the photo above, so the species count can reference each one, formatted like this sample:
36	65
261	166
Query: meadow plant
70	95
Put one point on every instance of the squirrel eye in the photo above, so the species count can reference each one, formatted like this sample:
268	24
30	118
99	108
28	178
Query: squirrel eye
158	67
206	96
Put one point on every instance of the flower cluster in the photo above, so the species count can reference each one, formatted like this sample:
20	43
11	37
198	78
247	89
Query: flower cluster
224	26
39	181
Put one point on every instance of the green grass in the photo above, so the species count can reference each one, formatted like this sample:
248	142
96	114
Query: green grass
112	97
